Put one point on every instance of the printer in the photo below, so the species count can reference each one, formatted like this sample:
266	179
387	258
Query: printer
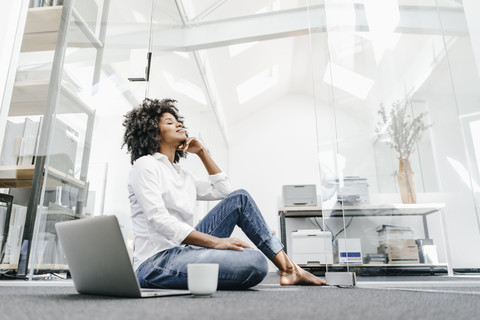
352	190
299	195
312	246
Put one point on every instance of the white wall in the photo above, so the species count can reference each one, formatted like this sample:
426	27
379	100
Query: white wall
106	149
273	147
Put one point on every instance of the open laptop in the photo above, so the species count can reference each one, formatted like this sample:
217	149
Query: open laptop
98	259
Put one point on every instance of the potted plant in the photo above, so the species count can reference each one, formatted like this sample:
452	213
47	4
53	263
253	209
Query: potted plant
404	132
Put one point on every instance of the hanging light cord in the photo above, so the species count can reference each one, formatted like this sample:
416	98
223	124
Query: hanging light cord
147	87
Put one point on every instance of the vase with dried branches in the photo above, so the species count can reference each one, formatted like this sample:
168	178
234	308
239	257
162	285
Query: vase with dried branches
404	132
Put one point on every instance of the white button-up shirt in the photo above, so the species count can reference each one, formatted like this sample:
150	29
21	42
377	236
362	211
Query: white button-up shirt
162	200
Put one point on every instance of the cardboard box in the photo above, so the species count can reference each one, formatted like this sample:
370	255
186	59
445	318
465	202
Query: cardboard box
395	234
397	242
400	254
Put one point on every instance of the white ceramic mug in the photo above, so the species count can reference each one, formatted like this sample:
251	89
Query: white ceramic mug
202	278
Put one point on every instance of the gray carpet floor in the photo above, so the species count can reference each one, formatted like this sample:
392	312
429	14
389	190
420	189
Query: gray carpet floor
265	301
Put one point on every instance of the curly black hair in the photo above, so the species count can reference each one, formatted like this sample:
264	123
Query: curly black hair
142	130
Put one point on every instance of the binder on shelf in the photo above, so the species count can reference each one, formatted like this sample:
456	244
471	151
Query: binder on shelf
15	234
45	3
64	148
29	142
22	139
46	248
11	143
6	202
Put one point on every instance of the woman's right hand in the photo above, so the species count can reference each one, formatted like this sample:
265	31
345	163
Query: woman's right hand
231	244
201	239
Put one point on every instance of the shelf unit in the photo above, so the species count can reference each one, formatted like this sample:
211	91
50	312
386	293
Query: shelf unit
59	267
51	29
422	210
22	177
30	97
43	27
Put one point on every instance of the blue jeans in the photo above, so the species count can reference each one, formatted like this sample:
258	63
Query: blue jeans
237	269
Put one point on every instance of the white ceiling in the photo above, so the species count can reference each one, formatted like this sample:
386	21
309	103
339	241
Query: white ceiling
129	28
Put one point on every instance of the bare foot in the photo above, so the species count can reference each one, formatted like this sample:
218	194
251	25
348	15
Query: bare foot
297	275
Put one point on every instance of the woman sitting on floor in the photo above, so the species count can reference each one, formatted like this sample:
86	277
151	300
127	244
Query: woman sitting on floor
162	198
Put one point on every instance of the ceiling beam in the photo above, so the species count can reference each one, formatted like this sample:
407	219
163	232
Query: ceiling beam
294	22
258	27
284	23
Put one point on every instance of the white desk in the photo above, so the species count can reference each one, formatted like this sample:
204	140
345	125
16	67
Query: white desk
419	209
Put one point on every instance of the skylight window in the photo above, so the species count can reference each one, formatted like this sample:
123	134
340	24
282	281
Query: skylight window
272	7
140	18
182	54
257	84
348	81
383	18
189	8
236	49
381	42
185	87
464	174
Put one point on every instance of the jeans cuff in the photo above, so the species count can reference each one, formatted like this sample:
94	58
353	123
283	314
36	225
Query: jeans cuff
271	247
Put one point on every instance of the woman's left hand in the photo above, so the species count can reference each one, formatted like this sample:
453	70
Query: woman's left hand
192	145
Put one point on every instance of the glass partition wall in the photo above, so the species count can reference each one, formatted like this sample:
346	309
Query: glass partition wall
286	96
294	101
308	101
396	102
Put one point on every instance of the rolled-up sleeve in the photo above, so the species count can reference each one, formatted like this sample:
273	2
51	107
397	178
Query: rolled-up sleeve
148	191
218	187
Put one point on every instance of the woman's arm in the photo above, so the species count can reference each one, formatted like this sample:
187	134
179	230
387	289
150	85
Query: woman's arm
201	239
208	162
193	145
218	186
198	238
